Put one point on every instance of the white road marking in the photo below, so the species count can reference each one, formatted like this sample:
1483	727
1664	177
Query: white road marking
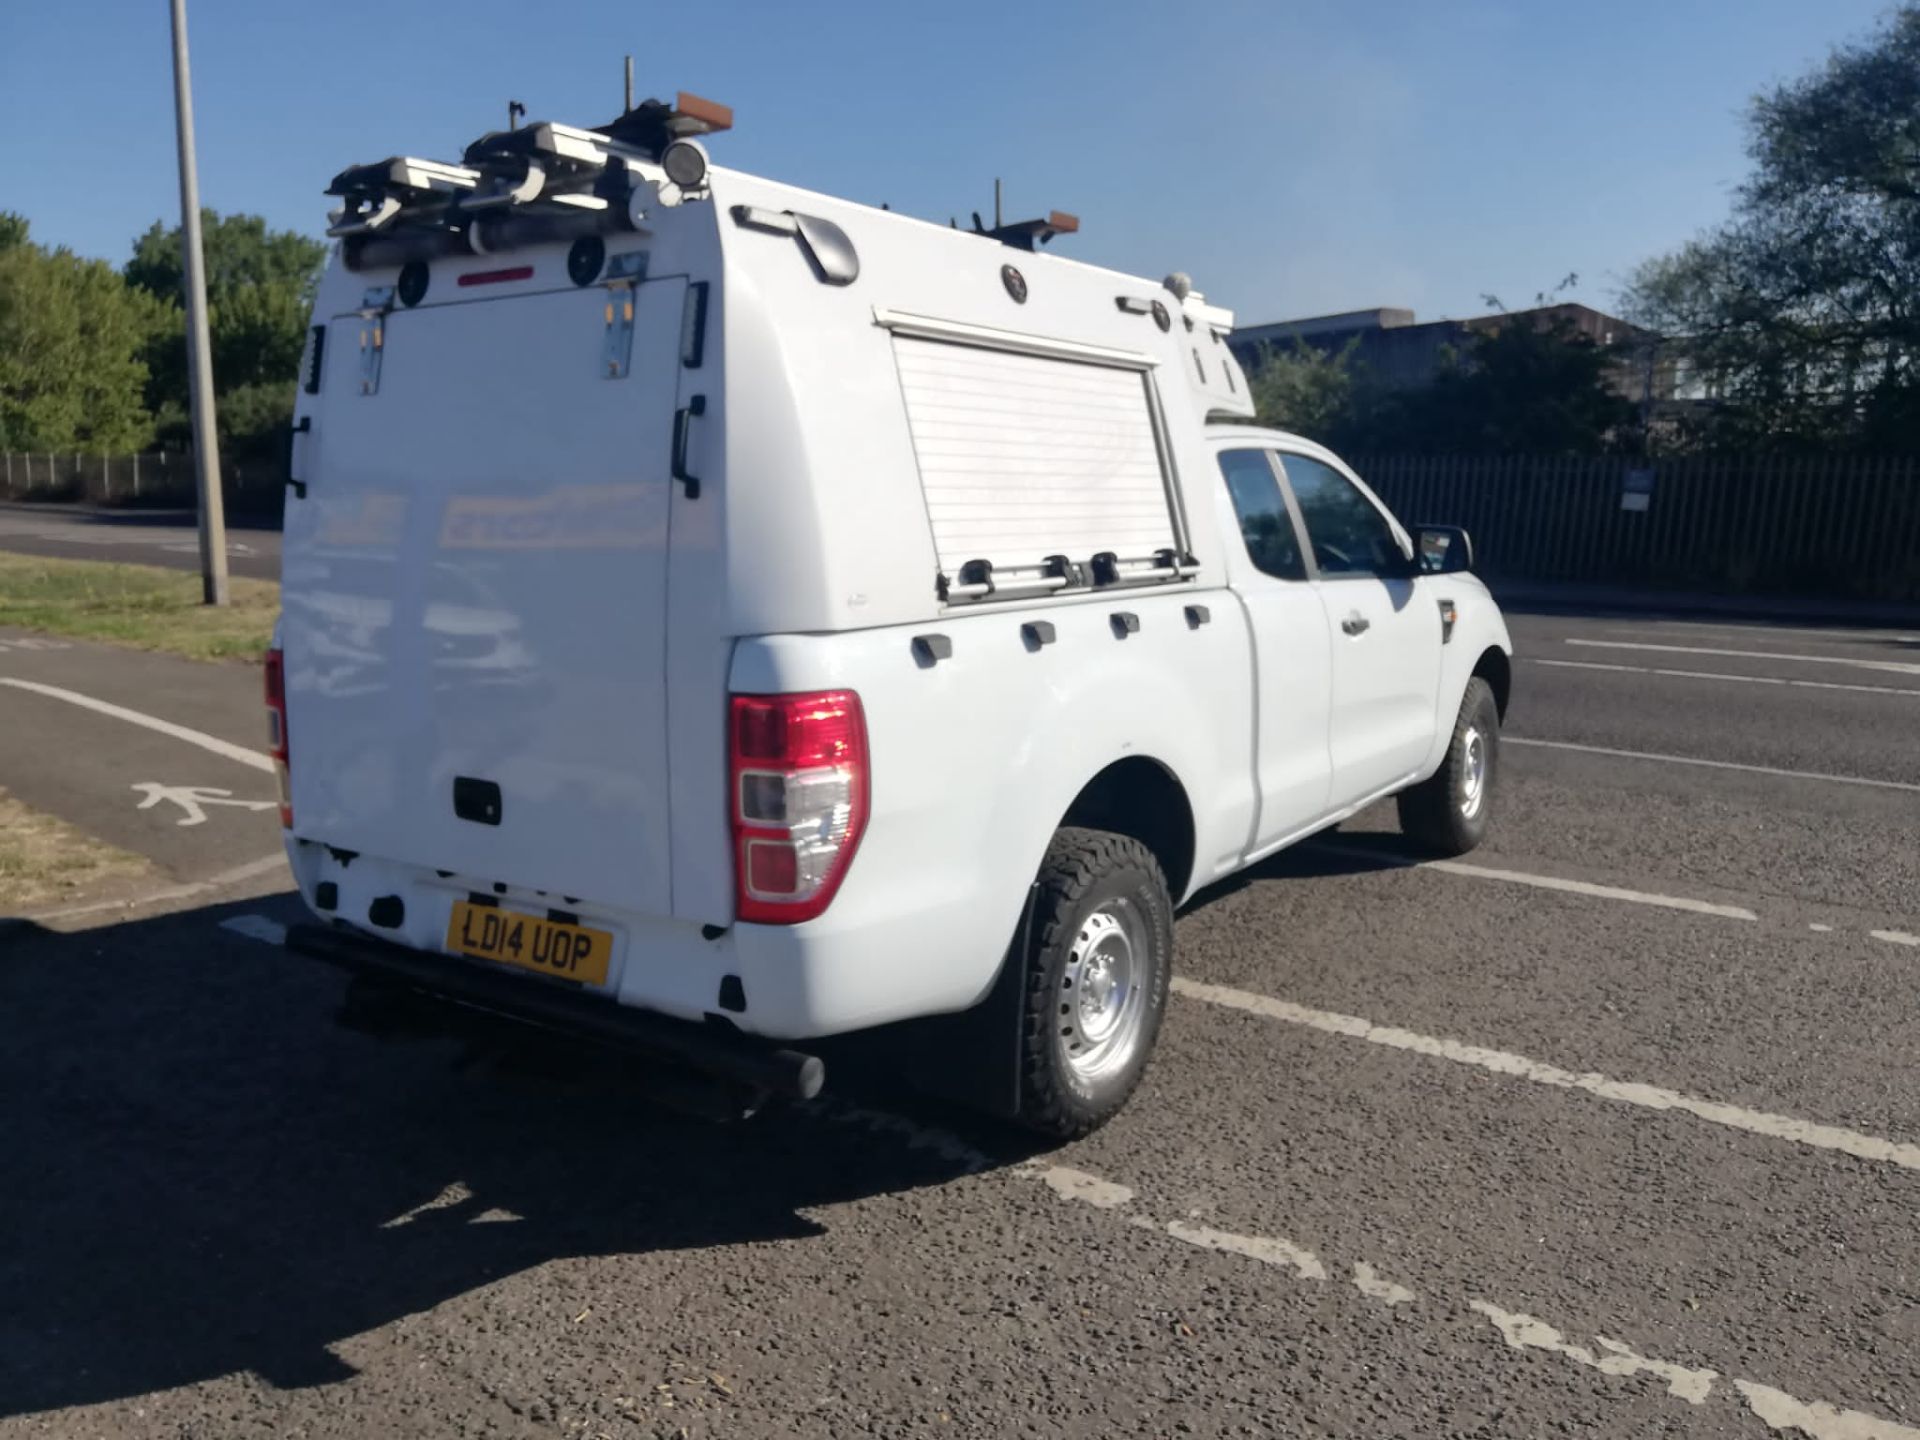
1759	630
1891	667
1824	1422
1501	1062
1523	1332
947	1146
1821	929
1368	1282
213	743
192	800
1071	1184
32	642
1720	675
1553	882
1896	937
1708	764
455	1194
1584	887
256	927
1519	1330
1267	1249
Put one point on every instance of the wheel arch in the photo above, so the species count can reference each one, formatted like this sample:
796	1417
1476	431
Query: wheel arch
1496	668
1143	798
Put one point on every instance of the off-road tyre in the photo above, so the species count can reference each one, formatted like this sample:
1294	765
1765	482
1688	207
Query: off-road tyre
1448	813
1100	908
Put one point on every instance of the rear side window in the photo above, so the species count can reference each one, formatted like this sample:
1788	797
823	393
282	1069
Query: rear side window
1264	522
1348	533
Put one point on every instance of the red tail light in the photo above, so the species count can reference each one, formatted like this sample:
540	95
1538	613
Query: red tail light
277	731
798	773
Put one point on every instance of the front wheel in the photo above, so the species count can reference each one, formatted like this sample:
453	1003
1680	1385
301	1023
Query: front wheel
1448	813
1096	975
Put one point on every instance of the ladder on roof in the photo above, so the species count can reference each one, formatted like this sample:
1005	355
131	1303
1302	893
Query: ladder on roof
544	167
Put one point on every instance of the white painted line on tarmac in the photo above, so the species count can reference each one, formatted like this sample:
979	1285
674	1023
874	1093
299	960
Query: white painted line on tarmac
213	743
1892	667
1709	764
1584	887
1071	1184
1549	882
1368	1282
1823	1422
1524	1332
1501	1062
1763	629
1267	1249
1519	1331
1720	675
1895	937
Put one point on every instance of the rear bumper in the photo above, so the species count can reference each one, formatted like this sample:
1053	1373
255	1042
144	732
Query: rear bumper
711	1049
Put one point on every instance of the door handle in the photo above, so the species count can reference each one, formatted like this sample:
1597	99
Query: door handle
303	426
1356	624
682	428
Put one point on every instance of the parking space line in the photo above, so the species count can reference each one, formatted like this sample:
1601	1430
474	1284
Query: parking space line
1694	1385
1895	937
1708	764
1500	1062
1758	630
1585	887
1892	667
1339	845
213	743
1720	675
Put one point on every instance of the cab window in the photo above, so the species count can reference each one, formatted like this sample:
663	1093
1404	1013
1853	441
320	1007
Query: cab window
1348	533
1265	523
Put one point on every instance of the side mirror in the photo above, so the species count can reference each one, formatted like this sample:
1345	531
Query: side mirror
1441	550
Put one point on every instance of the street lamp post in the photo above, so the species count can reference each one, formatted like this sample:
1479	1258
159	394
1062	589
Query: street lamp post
206	440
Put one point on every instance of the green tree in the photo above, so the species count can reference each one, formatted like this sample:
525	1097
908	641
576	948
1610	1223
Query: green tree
1307	391
1523	387
260	285
1802	312
71	339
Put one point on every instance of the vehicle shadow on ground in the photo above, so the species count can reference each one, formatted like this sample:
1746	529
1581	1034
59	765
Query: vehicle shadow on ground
205	1175
1333	853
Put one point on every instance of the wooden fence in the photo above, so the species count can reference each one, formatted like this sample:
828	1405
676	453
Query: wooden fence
1831	526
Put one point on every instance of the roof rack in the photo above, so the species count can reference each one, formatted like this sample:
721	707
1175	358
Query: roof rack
376	194
542	164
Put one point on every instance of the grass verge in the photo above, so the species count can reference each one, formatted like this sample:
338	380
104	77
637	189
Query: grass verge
138	605
44	861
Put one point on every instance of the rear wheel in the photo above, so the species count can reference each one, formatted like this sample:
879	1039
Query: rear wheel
1096	973
1448	813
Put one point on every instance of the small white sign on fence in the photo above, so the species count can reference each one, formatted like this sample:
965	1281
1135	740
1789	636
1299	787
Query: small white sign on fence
1636	490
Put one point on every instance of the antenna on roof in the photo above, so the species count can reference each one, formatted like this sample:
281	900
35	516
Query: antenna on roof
627	108
996	202
516	112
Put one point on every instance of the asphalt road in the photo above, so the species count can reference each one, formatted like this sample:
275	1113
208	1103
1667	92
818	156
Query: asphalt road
1610	1130
134	537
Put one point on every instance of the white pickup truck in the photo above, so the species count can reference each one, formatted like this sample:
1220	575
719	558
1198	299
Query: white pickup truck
718	617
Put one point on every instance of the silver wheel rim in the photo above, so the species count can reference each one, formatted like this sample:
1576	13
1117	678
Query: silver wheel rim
1100	1002
1473	773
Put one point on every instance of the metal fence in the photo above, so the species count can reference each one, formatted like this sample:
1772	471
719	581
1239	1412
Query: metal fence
1831	526
161	478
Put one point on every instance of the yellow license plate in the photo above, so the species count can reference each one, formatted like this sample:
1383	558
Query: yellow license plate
547	947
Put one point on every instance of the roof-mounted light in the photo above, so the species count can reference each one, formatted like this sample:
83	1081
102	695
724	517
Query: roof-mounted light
685	162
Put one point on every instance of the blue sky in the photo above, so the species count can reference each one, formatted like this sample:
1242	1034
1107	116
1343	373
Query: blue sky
1295	156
